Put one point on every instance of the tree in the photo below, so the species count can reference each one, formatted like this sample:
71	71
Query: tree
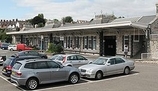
67	19
4	37
38	20
41	15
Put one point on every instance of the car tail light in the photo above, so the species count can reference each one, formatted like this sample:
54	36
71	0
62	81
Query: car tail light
64	59
18	73
9	68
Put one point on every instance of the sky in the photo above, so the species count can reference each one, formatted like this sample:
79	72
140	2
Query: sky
77	9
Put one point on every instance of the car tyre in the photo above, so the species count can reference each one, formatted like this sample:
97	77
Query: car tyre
11	49
126	71
74	78
32	83
99	75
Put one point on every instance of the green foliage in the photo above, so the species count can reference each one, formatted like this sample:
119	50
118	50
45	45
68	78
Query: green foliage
55	48
39	21
4	37
67	19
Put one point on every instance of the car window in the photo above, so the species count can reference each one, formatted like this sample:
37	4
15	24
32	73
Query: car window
32	53
119	60
8	60
73	57
17	66
100	61
79	57
41	65
52	64
29	65
60	58
112	61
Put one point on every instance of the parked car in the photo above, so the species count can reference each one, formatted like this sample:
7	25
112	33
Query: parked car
2	59
4	46
104	66
31	73
30	52
12	47
75	60
9	63
22	47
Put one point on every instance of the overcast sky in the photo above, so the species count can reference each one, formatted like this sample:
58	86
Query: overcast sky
78	9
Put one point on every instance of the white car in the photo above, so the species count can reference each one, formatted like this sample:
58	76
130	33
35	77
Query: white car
75	60
2	59
12	47
104	66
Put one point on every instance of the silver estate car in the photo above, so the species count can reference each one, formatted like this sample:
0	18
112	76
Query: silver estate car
75	60
104	66
33	72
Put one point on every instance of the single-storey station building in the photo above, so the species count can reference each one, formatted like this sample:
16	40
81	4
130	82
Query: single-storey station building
103	35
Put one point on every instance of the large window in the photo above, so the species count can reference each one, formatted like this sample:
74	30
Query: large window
68	42
94	43
77	42
89	42
85	42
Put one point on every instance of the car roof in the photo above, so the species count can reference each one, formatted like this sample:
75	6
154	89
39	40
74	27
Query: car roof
33	60
108	57
67	54
28	56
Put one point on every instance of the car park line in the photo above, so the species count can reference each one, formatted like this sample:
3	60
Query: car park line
88	81
12	83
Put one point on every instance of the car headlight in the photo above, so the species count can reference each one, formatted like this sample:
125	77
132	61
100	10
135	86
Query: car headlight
89	71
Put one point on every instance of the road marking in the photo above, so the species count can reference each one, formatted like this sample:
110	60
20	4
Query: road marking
88	81
12	83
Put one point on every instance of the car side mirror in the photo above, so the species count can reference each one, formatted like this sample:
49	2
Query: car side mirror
90	62
108	64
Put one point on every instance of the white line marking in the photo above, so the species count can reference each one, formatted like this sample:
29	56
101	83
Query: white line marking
88	81
12	83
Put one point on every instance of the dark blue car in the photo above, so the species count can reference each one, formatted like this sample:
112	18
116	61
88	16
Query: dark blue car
4	46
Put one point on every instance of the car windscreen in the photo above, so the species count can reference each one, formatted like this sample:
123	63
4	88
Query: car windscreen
17	66
100	61
8	60
57	57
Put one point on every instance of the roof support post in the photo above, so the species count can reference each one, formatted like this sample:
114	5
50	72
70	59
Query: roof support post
101	45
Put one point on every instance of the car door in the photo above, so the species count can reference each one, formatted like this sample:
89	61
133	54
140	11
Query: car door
42	71
72	59
58	73
81	60
111	67
120	65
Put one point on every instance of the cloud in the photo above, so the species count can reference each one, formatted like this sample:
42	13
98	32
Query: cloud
86	9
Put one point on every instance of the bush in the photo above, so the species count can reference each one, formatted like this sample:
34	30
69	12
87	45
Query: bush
55	48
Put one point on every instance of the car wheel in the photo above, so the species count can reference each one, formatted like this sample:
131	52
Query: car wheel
32	83
74	78
99	75
11	49
126	71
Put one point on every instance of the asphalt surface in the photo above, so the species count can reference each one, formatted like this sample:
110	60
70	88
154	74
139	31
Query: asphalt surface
142	78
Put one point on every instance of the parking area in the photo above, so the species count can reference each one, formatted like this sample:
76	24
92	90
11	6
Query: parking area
142	78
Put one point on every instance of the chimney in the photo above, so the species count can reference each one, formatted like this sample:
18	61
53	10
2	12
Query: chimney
157	9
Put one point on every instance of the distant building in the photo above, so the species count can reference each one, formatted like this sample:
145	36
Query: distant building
103	35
